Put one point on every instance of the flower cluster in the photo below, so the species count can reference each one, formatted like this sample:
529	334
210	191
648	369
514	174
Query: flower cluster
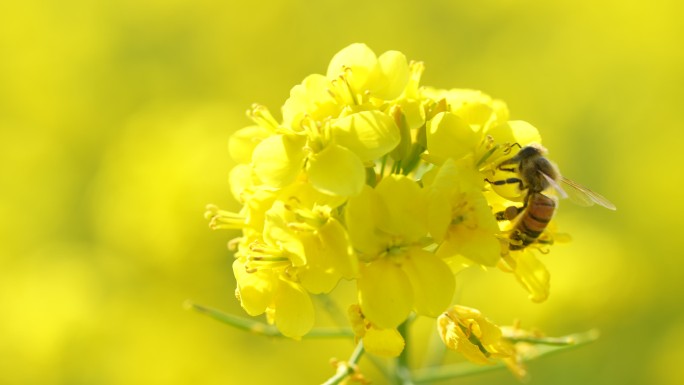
370	177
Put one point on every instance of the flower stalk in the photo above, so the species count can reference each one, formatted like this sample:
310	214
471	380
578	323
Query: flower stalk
545	347
347	368
264	329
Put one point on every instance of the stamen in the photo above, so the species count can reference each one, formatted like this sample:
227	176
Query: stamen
234	243
264	256
262	116
261	258
345	77
342	91
316	133
263	249
300	227
307	219
462	213
224	220
491	150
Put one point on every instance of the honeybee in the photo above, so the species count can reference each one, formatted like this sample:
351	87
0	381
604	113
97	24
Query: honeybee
537	176
532	223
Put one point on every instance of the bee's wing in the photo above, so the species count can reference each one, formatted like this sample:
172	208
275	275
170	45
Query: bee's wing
556	187
583	196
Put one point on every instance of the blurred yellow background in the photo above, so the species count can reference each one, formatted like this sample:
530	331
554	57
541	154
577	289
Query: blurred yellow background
114	121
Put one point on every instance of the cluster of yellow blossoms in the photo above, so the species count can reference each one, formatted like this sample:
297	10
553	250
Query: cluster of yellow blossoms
369	177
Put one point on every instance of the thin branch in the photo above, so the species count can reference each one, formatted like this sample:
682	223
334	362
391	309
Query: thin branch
339	317
331	307
345	369
403	370
264	329
572	339
429	375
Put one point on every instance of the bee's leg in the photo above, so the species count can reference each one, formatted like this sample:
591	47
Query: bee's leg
510	213
543	251
516	241
515	160
512	169
507	181
510	147
544	240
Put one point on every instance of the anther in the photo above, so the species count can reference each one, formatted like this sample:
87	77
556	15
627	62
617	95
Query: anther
262	116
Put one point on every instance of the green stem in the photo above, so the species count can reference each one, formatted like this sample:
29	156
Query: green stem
573	339
265	329
338	316
548	346
403	370
382	167
348	368
331	308
435	351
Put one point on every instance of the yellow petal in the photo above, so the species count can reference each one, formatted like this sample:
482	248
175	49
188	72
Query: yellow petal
443	184
414	112
455	339
329	258
368	134
472	352
310	98
466	330
524	133
257	203
449	136
336	246
439	214
359	59
478	245
278	159
255	289
394	71
242	143
356	320
445	177
337	171
240	178
532	274
406	207
307	196
473	232
383	342
278	233
515	131
362	215
294	311
432	281
317	276
385	293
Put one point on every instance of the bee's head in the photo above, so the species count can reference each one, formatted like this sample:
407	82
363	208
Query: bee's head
532	150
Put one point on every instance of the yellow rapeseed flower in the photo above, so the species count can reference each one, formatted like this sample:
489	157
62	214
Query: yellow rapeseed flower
460	218
388	226
383	342
467	331
370	177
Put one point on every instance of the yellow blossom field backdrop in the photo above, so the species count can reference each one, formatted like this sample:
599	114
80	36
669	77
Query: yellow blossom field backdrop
114	122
